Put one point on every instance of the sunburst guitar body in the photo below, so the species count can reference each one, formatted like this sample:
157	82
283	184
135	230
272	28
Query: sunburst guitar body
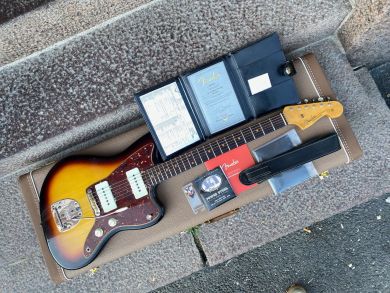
85	200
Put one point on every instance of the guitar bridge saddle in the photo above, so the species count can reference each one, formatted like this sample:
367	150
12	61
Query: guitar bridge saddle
93	203
66	213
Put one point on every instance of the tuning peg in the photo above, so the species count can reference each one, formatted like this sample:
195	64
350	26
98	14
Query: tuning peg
306	101
320	99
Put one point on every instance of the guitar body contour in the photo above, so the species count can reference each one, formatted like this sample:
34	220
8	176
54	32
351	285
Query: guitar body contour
78	212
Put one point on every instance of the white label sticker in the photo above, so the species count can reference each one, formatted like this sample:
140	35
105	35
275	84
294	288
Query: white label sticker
259	83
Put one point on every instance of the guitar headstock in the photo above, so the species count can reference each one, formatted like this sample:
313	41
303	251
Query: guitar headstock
305	115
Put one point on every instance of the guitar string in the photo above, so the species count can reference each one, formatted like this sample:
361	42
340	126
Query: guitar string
118	188
231	138
192	162
228	139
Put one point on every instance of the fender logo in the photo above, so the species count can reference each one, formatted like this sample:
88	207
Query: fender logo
227	166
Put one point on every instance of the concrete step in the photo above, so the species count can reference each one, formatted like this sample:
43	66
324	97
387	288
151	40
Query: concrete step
12	8
54	22
365	34
83	87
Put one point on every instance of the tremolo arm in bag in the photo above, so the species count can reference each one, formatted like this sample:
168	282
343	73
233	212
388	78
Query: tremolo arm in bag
86	200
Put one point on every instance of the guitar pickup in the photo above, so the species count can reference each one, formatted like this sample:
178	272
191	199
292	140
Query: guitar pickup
106	198
136	183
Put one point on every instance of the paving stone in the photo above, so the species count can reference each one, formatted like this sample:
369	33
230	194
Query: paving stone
54	22
347	186
142	271
346	253
381	75
12	8
17	237
98	72
3	261
366	33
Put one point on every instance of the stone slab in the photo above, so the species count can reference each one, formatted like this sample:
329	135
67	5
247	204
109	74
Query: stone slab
366	33
142	271
381	75
22	268
12	8
346	253
54	22
17	237
314	200
98	72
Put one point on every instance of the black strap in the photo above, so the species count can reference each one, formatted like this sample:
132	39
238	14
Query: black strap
295	157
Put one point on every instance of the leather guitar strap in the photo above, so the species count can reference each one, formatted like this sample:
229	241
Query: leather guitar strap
302	154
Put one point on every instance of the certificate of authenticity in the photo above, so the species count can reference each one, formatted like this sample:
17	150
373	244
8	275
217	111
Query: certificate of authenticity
170	118
216	97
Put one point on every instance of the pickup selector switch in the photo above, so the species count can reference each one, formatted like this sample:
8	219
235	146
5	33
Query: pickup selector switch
99	232
112	222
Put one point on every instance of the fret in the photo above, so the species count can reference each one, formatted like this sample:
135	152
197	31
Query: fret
193	161
235	141
153	175
279	121
254	137
267	127
176	166
271	123
227	143
248	135
212	149
224	146
284	121
204	155
199	156
208	150
257	131
187	157
169	169
185	163
151	179
262	128
158	174
243	136
217	150
165	171
238	139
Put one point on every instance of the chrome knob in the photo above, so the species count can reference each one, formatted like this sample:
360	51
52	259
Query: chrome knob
112	222
99	232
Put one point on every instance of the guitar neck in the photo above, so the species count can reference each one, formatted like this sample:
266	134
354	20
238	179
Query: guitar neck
213	149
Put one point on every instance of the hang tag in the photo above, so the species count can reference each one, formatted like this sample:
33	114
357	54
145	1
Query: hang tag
259	83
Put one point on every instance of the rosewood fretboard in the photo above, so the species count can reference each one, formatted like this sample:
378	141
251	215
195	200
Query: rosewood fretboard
214	148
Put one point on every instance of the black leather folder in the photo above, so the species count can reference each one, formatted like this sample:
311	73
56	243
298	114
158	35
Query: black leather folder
235	88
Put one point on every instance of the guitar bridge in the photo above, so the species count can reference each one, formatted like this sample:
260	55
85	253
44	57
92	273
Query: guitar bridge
93	203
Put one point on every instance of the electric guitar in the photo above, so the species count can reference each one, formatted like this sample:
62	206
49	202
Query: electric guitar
86	200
